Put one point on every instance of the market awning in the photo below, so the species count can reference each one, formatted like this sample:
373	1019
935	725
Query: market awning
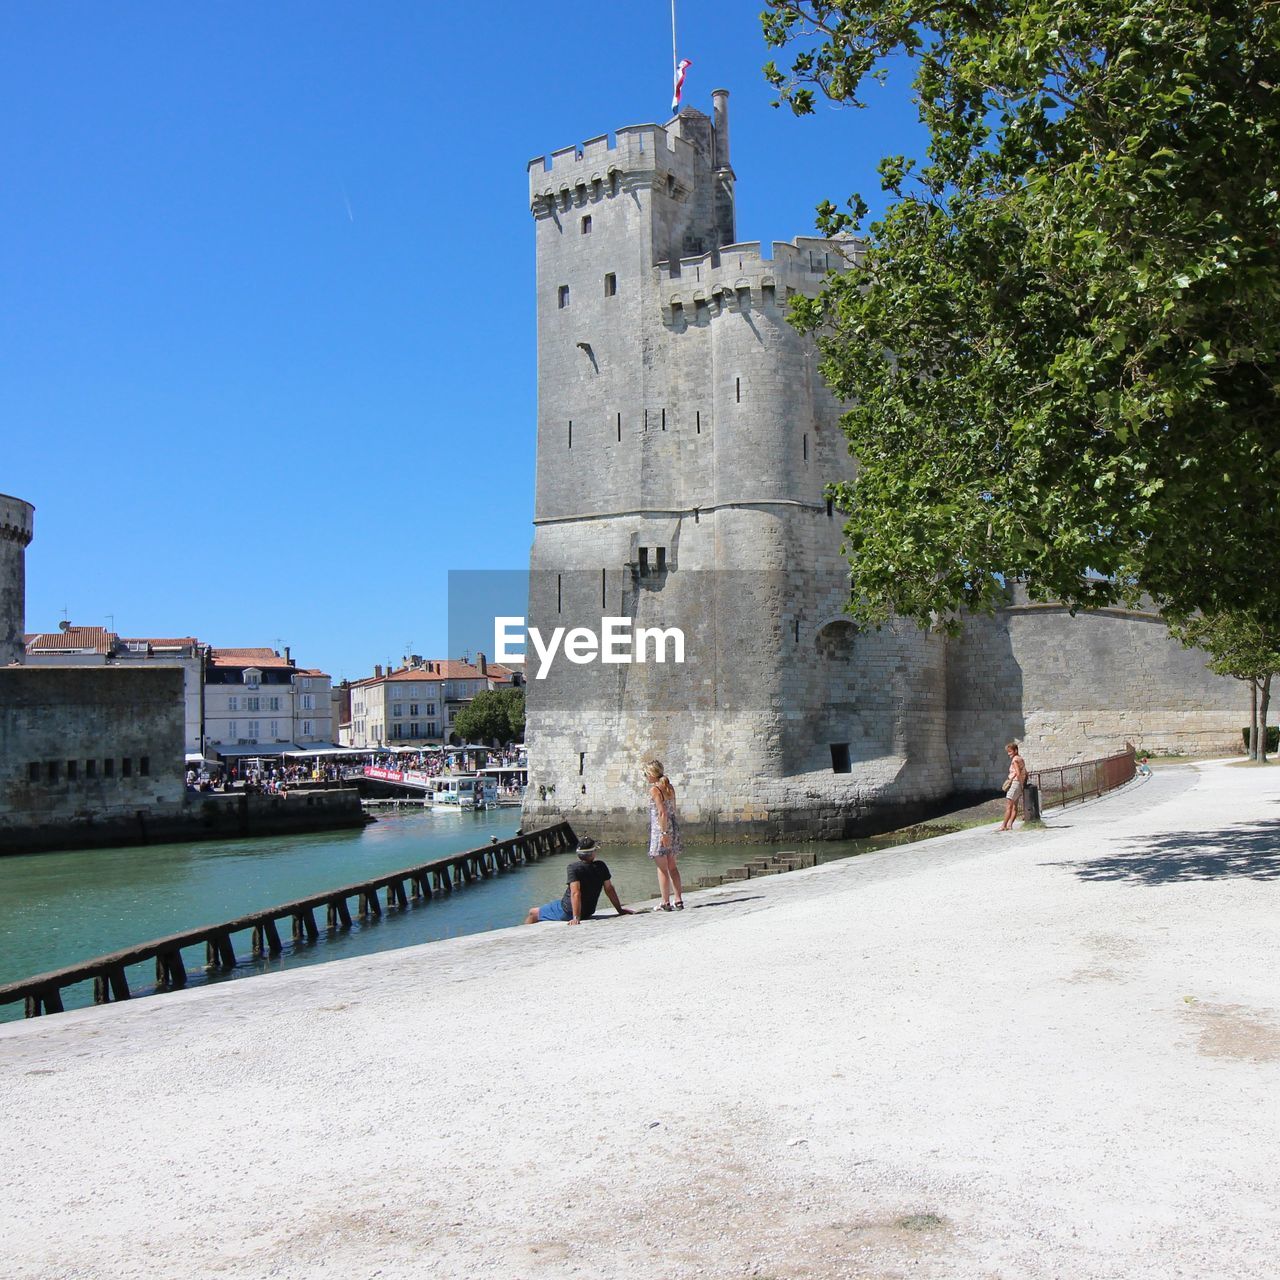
326	749
269	751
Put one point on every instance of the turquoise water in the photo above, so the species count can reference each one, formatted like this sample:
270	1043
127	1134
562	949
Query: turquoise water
57	909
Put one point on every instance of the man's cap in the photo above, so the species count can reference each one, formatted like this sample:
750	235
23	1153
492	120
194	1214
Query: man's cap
587	845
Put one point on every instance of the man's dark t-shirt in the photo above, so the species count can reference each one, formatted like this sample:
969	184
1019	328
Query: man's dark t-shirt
591	876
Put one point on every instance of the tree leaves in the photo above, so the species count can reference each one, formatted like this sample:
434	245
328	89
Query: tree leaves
1060	351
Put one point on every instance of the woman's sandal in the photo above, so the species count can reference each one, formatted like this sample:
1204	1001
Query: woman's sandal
679	904
666	906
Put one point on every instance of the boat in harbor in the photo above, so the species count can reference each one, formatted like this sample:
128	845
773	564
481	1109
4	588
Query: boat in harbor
459	793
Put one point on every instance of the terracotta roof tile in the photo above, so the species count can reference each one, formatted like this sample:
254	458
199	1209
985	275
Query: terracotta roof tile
246	658
72	640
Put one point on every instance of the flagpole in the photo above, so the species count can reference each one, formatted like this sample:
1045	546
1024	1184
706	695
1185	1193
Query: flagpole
674	56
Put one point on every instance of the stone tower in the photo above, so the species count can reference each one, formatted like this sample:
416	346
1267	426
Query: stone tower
16	519
685	439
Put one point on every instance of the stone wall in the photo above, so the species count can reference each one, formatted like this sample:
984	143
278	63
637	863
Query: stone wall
1078	688
88	742
16	519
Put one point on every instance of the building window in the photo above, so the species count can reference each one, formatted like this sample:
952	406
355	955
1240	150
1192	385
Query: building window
126	767
306	682
33	771
251	704
662	559
431	731
232	725
396	730
275	728
308	702
839	757
253	729
610	284
413	708
307	730
144	766
619	428
697	419
273	704
252	679
397	708
431	708
413	729
233	703
737	390
563	296
644	561
586	224
90	768
52	771
73	770
108	768
570	433
831	507
806	447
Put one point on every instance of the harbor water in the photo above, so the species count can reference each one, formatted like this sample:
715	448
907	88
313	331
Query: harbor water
58	909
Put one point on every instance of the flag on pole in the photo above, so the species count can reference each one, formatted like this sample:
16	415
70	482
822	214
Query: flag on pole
681	67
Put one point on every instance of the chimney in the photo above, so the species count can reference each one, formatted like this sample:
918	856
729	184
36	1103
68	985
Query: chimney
720	118
483	663
377	671
287	658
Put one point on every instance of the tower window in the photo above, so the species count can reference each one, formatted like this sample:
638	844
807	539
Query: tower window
610	284
737	382
604	599
806	447
671	184
582	763
564	296
559	593
73	768
33	771
644	561
662	559
831	508
839	757
570	433
90	768
586	224
697	420
664	419
619	427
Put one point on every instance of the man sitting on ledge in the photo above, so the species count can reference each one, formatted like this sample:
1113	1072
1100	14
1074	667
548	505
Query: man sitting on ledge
586	878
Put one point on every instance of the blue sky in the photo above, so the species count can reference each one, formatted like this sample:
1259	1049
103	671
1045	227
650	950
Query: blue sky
267	341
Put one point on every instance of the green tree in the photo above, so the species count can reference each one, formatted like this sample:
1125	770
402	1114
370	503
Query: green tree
494	715
1239	645
1059	344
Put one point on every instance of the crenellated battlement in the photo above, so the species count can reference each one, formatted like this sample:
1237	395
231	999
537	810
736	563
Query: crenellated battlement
719	280
604	165
16	520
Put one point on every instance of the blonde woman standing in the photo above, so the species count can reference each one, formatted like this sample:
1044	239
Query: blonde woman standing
1014	785
665	842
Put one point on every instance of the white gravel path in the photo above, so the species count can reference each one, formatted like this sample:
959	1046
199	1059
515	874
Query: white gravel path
1046	1054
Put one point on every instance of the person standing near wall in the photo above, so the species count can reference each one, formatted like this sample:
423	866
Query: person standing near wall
665	842
1014	785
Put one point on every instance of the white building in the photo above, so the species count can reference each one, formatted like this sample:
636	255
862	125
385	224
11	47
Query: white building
415	705
260	704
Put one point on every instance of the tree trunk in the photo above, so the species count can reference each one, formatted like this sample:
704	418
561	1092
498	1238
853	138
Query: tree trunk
1264	702
1253	727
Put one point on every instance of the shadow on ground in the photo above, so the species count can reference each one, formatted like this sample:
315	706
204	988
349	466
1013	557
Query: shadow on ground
1251	851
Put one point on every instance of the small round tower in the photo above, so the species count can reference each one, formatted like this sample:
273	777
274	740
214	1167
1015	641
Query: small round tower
16	519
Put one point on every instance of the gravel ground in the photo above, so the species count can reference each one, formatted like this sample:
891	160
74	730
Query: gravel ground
1048	1054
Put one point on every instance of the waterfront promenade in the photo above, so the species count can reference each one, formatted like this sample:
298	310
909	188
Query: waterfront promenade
1051	1053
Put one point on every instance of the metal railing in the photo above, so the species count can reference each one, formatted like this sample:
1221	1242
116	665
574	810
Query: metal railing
1068	783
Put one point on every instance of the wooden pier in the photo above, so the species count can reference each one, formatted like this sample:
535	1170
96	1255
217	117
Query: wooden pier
395	891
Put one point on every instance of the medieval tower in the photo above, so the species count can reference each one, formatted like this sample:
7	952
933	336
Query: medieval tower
685	440
16	519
